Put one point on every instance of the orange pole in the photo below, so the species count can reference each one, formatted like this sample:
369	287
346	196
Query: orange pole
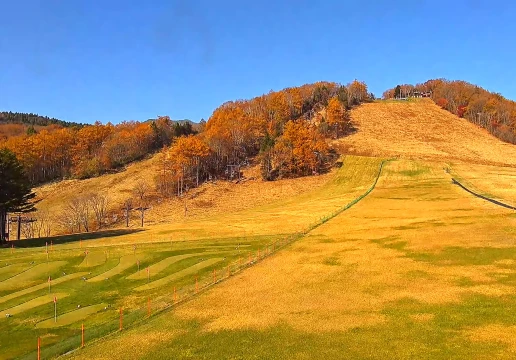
82	335
39	348
121	317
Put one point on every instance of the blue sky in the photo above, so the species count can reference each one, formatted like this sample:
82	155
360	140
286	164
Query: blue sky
115	60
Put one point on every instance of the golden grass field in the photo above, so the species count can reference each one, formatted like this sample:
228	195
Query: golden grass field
407	255
419	129
418	269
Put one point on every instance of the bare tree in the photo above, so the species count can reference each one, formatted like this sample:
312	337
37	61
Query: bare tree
67	220
140	190
128	206
79	209
44	224
99	204
28	229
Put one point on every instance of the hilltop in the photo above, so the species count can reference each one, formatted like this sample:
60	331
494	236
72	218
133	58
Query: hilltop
419	129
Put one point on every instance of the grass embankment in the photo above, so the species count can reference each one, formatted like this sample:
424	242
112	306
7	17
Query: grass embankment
100	271
418	269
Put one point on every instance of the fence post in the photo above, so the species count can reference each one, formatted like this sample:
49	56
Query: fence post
121	319
39	348
82	335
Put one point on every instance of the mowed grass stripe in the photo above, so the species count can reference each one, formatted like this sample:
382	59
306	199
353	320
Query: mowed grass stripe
40	286
70	317
94	258
156	268
178	275
31	304
39	271
125	263
9	271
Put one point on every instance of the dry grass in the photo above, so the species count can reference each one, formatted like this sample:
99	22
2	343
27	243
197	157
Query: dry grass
492	181
371	269
211	199
495	333
420	129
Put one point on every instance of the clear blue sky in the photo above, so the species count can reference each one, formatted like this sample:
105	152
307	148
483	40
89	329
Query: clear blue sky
114	60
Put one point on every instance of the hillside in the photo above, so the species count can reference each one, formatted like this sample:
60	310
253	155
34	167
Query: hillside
412	130
419	129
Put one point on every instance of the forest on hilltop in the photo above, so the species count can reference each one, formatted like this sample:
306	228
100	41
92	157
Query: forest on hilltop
284	131
486	109
55	152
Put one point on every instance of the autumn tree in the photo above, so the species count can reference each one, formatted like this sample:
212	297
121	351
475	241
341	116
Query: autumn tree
337	117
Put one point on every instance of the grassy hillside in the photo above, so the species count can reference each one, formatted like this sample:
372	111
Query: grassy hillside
420	129
418	269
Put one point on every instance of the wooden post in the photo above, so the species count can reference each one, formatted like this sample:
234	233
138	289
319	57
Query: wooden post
39	348
18	234
82	335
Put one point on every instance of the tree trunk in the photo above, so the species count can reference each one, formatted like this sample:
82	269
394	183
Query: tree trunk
3	218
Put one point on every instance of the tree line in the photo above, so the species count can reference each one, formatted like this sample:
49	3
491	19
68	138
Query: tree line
489	110
284	131
91	150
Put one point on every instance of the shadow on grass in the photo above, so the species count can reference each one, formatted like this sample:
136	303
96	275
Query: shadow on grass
26	243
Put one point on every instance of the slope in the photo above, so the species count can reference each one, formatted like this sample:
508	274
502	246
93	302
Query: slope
419	129
392	277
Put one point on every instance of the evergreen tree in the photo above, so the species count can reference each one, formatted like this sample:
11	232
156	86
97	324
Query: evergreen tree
15	191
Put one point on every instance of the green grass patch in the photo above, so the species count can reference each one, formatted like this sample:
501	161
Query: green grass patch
71	317
332	261
180	274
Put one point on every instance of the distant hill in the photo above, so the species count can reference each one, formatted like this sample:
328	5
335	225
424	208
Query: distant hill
8	117
17	124
195	125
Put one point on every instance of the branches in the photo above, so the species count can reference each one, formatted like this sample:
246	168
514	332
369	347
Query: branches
99	203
